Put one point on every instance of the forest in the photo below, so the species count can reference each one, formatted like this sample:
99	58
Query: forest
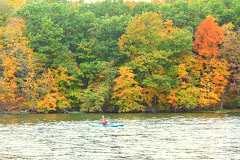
119	56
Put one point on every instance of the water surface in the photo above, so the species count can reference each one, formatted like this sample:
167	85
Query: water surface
144	136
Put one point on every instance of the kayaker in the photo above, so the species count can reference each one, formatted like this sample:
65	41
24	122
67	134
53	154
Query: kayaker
104	122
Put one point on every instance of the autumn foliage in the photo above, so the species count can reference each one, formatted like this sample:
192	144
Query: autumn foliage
230	53
131	4
208	37
53	97
214	72
115	56
127	92
21	83
12	56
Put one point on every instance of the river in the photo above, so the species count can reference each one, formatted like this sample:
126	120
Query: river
143	136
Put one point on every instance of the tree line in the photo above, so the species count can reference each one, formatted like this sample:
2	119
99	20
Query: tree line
116	56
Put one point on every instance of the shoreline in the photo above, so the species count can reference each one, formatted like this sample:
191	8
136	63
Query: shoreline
235	110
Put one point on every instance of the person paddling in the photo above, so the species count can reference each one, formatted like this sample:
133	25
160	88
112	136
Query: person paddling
104	122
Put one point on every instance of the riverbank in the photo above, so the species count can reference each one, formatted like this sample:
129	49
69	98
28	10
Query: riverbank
235	110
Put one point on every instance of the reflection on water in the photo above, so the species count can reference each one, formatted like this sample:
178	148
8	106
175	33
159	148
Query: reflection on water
144	136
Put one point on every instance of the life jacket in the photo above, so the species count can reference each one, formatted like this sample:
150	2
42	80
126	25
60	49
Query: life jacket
105	122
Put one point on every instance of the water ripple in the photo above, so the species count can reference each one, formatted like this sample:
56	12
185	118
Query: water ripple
145	137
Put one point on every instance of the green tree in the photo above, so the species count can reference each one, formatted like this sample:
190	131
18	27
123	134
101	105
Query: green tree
225	11
106	7
183	14
97	95
142	7
47	37
102	40
155	49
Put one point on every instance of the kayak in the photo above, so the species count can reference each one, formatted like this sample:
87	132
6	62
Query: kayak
110	125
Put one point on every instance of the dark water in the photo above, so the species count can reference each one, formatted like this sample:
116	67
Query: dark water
144	136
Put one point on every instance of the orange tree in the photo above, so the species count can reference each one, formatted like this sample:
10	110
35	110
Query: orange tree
214	72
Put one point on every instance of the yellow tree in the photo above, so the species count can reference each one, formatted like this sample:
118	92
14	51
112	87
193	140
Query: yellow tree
16	4
20	66
50	87
189	72
127	93
30	69
9	92
8	83
7	8
12	42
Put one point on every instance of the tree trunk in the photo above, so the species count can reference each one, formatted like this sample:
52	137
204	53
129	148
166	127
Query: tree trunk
221	107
